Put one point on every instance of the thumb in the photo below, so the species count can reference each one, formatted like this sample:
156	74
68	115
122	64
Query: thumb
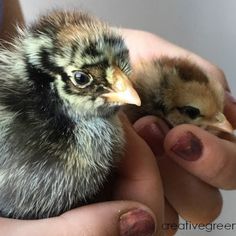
125	218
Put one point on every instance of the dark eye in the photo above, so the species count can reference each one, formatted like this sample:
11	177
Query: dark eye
192	112
81	79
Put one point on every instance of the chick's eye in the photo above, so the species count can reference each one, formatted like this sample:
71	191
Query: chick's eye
81	79
192	112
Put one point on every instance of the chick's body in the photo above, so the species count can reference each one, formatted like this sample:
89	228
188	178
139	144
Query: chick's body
60	134
180	92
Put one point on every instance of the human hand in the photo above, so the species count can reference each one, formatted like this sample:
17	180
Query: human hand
191	187
132	211
11	16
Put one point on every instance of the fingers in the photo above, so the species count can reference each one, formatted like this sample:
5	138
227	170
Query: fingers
193	199
160	47
204	155
171	218
139	177
103	219
111	218
153	131
230	108
12	16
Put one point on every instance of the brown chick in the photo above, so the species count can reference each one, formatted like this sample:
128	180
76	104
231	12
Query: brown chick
179	92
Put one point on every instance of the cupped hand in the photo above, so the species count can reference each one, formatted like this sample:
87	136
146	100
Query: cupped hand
136	208
193	163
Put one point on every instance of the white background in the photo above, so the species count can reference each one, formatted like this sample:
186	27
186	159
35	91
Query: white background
206	27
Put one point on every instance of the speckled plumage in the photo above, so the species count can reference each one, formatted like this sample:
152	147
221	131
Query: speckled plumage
58	142
178	91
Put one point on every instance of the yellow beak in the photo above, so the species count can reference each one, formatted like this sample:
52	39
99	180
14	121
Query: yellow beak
122	90
222	123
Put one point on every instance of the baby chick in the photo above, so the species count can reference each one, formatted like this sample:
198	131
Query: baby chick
179	92
61	85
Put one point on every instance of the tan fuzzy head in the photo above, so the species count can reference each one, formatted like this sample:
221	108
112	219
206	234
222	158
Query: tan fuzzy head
180	92
191	97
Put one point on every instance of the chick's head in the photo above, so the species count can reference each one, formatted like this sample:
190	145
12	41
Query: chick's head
82	60
189	96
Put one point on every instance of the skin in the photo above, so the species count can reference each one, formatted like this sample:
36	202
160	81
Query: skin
190	187
103	218
194	178
12	16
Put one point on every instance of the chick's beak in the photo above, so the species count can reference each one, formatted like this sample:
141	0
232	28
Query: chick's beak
222	123
122	90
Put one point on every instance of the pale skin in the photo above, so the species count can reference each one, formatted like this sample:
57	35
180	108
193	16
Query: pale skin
139	185
190	187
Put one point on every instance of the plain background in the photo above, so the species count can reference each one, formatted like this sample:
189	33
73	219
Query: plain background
204	27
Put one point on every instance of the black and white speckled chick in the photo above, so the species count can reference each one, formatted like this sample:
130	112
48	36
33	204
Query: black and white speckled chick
61	85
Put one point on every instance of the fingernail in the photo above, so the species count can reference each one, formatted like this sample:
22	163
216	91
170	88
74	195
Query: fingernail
188	147
230	97
154	137
137	222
